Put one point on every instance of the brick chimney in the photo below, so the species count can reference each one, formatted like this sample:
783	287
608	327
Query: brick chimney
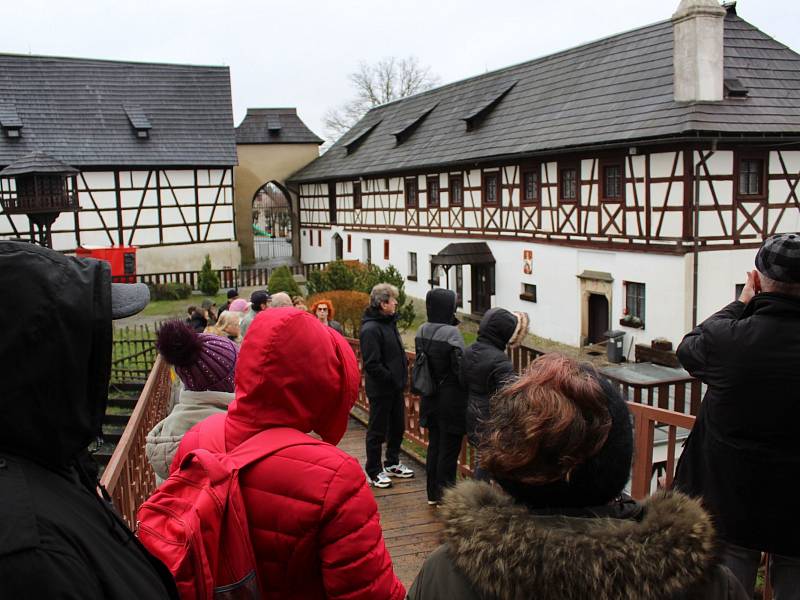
697	28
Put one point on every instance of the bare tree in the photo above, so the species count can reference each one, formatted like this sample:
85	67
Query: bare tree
386	80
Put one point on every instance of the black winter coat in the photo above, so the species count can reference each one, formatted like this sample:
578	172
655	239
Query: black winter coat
444	346
382	354
742	456
58	539
500	550
485	367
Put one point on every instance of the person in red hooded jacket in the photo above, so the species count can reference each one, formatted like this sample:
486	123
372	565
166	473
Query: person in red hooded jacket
313	521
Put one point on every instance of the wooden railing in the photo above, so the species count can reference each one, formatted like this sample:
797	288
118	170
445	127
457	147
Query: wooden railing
133	353
129	478
229	277
646	421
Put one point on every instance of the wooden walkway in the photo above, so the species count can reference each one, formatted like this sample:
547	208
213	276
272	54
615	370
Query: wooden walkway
410	526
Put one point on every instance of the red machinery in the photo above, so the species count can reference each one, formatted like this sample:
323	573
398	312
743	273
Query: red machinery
122	259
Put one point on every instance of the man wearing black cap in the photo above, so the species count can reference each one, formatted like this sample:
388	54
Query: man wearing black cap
233	294
259	300
743	455
58	538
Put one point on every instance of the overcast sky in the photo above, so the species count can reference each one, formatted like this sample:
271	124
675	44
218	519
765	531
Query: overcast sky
299	52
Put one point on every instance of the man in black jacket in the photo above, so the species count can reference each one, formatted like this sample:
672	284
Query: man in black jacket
742	456
58	537
385	375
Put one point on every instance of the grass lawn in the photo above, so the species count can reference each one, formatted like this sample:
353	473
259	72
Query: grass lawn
177	308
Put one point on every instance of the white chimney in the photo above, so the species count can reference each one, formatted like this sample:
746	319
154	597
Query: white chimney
698	27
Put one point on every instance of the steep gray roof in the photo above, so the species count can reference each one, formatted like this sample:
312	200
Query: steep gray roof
85	112
615	90
274	126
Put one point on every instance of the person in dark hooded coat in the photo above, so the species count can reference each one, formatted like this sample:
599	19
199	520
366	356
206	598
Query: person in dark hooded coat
58	537
486	366
443	413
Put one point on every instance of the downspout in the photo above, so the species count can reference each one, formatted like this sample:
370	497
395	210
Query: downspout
696	227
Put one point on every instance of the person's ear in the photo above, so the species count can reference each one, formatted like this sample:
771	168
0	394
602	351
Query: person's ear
756	281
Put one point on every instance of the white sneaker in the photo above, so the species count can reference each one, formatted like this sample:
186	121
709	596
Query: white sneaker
398	470
380	481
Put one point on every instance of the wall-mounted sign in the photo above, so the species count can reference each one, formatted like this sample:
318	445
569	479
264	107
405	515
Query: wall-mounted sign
527	262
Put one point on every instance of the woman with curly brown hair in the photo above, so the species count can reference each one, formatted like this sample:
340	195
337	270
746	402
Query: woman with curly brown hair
555	524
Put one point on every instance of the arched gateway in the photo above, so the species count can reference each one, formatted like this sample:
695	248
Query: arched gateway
272	222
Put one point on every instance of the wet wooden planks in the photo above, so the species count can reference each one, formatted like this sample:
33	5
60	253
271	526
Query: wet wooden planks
410	527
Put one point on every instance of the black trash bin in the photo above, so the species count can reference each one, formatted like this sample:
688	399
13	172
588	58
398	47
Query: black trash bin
614	345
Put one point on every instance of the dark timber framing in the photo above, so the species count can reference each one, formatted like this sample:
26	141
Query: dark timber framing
636	221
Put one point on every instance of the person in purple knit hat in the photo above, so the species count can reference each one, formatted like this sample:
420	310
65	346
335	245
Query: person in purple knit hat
205	364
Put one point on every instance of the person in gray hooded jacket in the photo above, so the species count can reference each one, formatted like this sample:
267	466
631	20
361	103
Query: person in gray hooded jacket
443	413
205	364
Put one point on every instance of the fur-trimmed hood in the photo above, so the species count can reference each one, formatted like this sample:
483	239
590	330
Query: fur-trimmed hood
504	549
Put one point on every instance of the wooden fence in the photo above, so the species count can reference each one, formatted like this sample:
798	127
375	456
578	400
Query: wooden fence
129	478
133	353
228	277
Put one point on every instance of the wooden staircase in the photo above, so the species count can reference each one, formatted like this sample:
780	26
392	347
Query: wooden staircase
122	399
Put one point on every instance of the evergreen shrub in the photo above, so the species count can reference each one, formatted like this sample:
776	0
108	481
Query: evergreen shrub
208	281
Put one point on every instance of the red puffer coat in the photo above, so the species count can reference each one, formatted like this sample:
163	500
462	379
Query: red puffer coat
313	520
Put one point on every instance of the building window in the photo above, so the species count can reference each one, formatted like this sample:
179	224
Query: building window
385	249
311	237
412	266
491	187
411	192
568	185
366	246
751	176
634	305
460	285
332	203
528	292
349	243
456	189
530	185
319	237
612	182
433	191
357	194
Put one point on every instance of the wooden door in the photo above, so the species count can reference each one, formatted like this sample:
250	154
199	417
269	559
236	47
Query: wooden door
481	288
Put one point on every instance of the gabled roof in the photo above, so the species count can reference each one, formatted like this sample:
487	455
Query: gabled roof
274	126
75	110
616	90
37	162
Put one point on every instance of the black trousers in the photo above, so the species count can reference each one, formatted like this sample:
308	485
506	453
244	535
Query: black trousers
387	422
442	460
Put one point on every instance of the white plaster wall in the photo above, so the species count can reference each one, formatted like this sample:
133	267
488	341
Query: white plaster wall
718	274
187	258
557	312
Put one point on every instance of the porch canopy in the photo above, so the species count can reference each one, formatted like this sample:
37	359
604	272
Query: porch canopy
466	253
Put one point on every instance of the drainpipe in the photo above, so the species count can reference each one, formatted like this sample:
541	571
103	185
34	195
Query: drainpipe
696	226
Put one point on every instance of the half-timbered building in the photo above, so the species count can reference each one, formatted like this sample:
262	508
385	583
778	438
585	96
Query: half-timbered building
621	184
152	147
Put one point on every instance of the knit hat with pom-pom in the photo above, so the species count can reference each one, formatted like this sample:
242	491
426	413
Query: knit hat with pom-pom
203	362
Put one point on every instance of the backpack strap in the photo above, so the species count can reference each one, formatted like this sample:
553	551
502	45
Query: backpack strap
266	443
437	327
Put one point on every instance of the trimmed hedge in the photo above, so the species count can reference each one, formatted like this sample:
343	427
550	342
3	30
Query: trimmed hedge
169	291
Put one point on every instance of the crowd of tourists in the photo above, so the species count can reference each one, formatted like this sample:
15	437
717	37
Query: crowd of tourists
251	505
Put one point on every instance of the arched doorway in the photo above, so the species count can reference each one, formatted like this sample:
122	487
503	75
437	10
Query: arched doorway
272	223
338	247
